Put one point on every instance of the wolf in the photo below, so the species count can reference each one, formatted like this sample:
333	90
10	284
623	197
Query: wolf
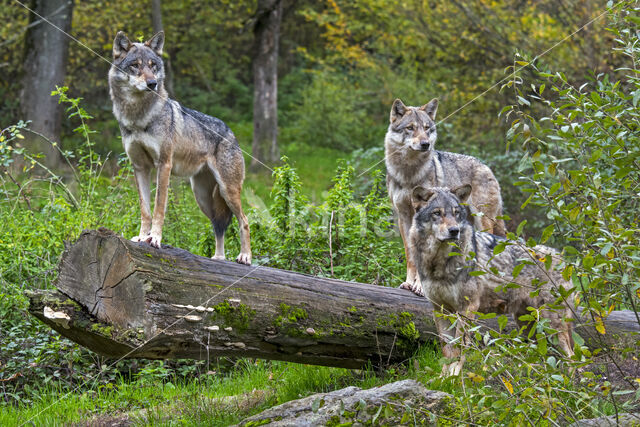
446	249
412	160
158	132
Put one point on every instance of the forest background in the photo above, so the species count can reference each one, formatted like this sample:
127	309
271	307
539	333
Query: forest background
340	65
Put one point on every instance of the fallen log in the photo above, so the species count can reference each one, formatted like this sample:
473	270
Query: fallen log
123	299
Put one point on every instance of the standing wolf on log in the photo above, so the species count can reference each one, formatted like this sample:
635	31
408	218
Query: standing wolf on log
412	160
157	132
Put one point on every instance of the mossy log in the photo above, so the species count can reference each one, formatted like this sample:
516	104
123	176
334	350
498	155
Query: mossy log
124	299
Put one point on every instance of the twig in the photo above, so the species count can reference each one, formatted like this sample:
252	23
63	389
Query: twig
330	246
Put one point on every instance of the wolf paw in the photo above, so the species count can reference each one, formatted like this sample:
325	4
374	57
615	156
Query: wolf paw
415	287
244	258
218	257
152	239
452	370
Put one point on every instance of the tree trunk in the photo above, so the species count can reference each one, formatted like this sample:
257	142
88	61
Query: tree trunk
45	62
265	83
156	23
124	299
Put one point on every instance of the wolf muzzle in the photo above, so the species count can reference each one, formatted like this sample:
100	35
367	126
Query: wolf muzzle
152	84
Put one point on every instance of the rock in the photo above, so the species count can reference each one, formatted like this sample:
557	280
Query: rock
623	420
400	403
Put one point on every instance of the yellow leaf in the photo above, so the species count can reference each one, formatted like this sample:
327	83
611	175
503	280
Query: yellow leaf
19	136
475	377
600	325
508	385
1	138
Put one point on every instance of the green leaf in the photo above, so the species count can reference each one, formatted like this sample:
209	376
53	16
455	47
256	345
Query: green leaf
588	262
542	344
315	405
477	273
517	269
499	248
502	321
521	227
547	232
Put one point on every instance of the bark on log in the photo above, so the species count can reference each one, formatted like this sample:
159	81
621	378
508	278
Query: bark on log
124	299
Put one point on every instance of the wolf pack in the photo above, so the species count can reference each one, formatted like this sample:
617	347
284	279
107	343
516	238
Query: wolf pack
448	205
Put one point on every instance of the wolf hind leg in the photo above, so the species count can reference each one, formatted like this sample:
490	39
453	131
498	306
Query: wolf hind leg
207	195
230	190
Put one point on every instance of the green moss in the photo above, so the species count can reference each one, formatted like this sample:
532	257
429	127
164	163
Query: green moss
258	423
409	331
353	309
102	330
333	421
289	315
69	302
237	316
403	325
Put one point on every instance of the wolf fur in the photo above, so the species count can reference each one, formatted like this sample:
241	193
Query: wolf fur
412	160
440	228
158	132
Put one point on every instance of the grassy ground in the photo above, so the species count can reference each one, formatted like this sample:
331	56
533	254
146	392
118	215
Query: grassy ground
212	399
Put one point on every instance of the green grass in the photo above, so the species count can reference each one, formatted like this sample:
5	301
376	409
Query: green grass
257	385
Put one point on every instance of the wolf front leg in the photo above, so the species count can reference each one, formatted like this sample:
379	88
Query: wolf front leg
412	282
142	179
160	207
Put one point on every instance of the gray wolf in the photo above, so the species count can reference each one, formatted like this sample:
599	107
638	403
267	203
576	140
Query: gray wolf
446	249
412	160
158	132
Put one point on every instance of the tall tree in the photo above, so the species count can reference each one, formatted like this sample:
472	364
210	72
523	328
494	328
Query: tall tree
156	23
265	82
45	62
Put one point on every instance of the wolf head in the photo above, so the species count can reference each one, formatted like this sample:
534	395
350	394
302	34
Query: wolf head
138	66
413	127
440	212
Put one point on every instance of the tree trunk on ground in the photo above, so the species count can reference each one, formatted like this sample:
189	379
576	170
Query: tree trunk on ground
120	298
45	62
156	23
265	83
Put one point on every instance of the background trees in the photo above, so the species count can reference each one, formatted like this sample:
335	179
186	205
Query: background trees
340	64
45	66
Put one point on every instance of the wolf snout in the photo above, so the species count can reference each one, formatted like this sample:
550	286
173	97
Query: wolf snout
425	145
152	84
454	232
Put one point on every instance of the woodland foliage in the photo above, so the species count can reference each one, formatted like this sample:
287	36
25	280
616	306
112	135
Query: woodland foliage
561	124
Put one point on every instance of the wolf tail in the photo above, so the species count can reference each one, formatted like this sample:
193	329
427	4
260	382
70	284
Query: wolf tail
222	215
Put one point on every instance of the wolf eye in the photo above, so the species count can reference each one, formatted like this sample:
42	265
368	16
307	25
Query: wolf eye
133	67
409	128
436	214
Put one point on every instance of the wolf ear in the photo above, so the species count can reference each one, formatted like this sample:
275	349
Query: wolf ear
398	109
121	45
431	108
462	192
420	196
156	42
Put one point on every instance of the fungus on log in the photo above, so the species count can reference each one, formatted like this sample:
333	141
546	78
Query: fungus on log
124	299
